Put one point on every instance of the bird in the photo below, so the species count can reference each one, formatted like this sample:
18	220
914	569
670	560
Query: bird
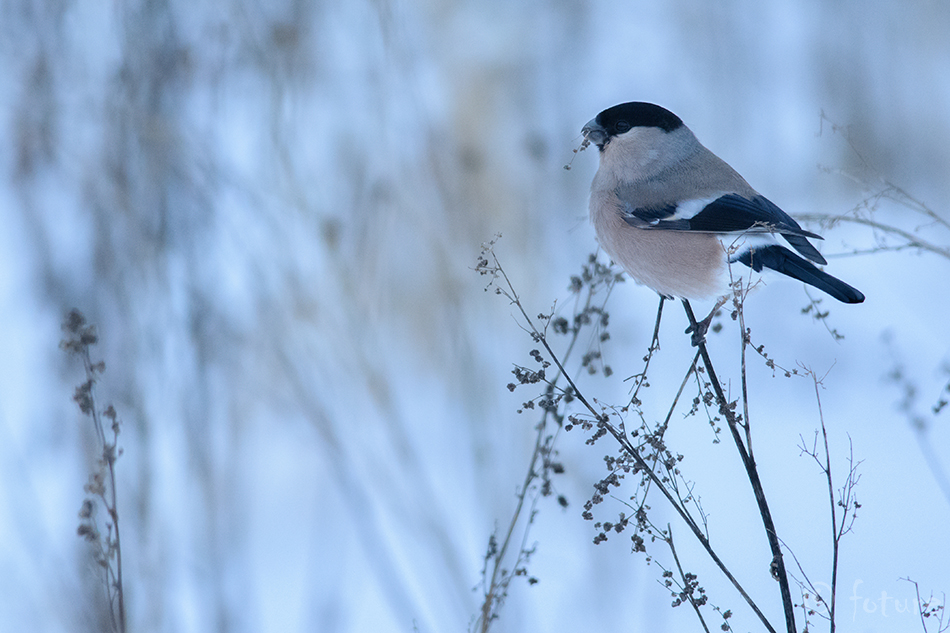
676	217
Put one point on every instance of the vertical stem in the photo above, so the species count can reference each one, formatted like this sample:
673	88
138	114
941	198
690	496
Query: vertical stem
689	594
114	513
745	387
753	474
835	538
116	589
654	346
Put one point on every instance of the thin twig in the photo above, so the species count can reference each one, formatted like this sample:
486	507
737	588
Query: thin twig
928	610
654	346
603	423
491	593
697	532
79	339
778	564
835	537
666	424
685	580
912	240
495	587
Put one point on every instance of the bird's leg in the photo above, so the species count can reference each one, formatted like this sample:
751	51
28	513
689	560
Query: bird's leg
655	344
700	328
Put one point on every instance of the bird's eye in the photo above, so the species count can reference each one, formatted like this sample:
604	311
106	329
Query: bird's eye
622	126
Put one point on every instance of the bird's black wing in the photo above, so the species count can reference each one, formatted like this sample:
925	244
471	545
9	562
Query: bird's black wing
728	213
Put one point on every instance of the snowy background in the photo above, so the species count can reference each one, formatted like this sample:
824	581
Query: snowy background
272	212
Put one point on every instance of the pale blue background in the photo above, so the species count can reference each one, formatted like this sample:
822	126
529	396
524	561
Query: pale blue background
272	211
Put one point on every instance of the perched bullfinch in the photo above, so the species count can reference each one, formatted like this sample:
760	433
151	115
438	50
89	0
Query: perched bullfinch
675	216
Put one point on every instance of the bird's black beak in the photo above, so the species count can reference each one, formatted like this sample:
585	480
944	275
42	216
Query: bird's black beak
595	133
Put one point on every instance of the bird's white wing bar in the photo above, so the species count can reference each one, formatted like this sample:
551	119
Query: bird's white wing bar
725	214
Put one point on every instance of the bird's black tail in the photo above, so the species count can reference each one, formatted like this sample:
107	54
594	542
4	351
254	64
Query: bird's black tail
781	259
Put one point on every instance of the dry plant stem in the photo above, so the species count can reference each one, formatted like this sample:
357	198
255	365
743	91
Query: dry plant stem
115	588
587	304
491	594
927	610
745	383
114	514
913	241
666	423
846	501
835	536
805	582
693	526
654	346
498	584
631	450
676	559
890	191
753	475
679	392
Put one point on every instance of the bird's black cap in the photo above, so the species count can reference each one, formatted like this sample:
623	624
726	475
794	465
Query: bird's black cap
620	118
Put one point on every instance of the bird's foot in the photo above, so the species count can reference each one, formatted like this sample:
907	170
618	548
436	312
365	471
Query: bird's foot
699	332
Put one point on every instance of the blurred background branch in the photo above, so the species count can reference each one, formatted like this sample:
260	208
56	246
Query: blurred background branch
271	209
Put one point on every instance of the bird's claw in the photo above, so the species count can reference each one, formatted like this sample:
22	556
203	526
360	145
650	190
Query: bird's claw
698	332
